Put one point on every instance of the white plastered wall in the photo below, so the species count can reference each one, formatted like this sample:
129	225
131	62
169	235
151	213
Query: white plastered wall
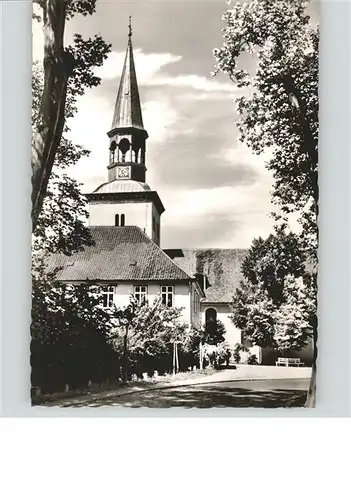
233	334
136	214
123	291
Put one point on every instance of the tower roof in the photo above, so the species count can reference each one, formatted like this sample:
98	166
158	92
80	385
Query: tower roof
122	186
127	109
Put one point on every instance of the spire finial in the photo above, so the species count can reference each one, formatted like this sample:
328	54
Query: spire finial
130	26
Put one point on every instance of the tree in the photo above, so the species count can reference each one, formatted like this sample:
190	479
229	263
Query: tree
64	68
214	332
265	269
270	260
275	304
296	321
68	328
253	314
70	337
284	326
296	318
278	110
61	225
147	332
280	107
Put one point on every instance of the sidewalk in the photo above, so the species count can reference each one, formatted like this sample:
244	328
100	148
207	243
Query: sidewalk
243	372
255	372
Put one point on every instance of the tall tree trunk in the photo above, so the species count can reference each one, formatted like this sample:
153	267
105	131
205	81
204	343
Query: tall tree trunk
311	395
125	356
58	65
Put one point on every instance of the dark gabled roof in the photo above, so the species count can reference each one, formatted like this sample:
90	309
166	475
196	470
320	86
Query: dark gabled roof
220	266
119	254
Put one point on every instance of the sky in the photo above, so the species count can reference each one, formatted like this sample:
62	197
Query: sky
215	191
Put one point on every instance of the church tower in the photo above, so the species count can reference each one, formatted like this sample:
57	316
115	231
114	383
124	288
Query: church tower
125	199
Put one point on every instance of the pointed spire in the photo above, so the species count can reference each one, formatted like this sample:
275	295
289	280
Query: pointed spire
130	27
127	109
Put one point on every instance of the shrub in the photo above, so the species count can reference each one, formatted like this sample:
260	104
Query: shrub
252	360
215	355
237	353
214	333
69	343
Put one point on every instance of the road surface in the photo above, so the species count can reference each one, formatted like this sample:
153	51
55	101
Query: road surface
265	393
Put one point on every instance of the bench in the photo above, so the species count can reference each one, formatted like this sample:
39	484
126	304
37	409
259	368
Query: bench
289	362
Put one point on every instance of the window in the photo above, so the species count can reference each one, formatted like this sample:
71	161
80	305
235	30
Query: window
112	152
136	155
124	147
140	293
167	295
107	297
118	220
153	223
211	320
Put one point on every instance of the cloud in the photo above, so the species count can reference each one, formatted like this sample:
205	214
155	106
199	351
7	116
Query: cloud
195	82
215	96
220	217
216	201
160	117
216	193
148	65
192	164
151	72
200	149
89	129
199	232
239	153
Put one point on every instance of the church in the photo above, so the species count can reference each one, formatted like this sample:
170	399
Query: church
125	222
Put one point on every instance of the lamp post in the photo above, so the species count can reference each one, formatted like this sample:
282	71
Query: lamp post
201	356
175	357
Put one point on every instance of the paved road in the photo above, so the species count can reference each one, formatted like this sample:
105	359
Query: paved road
240	393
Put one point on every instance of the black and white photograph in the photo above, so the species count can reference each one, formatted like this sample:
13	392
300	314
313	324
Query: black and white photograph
174	204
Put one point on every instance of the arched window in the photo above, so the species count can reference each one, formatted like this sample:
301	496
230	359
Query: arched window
123	220
117	220
112	152
211	319
142	156
136	155
124	147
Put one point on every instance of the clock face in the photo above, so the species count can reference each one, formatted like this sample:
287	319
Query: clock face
123	172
